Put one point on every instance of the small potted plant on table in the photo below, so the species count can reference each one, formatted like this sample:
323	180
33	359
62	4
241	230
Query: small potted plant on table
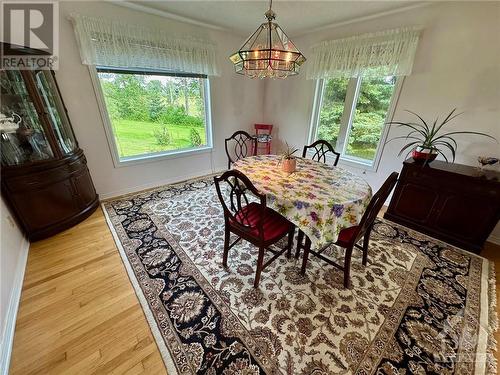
427	141
288	161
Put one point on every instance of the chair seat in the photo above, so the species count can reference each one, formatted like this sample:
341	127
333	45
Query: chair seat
275	226
346	235
263	138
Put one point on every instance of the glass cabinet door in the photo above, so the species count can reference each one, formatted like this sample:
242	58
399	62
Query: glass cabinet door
55	110
22	136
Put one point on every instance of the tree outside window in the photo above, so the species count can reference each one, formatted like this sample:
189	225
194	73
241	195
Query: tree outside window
352	115
154	113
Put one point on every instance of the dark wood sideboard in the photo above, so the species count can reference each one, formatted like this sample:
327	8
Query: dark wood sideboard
456	203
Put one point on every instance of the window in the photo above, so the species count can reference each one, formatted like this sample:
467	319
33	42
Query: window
351	115
154	113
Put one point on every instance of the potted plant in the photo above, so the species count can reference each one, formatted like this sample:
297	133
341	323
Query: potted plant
288	162
427	141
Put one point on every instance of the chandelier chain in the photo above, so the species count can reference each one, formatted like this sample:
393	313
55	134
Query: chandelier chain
270	15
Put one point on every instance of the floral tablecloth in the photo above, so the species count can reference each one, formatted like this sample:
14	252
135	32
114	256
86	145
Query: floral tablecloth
319	199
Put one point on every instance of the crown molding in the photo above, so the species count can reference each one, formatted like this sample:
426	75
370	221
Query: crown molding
366	18
165	14
176	17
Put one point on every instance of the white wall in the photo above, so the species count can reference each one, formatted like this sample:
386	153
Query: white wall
457	65
13	253
237	103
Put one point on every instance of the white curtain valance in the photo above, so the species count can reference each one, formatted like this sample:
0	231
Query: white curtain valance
384	53
110	43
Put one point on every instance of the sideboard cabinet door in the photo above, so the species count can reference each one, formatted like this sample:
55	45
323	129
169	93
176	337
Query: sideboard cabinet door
456	203
84	188
47	206
465	216
415	202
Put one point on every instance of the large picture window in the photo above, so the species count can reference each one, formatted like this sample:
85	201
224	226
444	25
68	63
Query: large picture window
351	115
154	114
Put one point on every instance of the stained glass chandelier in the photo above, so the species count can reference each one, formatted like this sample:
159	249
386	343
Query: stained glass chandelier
268	52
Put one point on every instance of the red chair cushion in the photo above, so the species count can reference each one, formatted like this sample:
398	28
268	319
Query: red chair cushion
346	235
275	226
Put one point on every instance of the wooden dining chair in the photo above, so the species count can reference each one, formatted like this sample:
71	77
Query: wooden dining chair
247	216
349	237
239	146
321	149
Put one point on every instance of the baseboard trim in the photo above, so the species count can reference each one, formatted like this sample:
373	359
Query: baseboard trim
152	185
15	299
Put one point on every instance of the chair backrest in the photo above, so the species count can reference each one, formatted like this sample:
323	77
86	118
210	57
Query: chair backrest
376	204
239	146
321	149
263	129
236	192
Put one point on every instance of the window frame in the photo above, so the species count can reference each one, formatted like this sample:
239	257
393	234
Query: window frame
154	156
351	99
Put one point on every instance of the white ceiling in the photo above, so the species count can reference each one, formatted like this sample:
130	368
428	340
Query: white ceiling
295	17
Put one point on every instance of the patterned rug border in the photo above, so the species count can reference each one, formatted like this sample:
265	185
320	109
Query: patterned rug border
160	342
210	291
488	292
160	187
381	339
493	320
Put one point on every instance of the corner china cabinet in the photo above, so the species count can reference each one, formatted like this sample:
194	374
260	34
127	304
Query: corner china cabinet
45	179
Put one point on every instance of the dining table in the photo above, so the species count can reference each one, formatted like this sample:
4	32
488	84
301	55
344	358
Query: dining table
320	199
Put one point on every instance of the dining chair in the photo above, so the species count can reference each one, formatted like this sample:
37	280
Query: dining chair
247	216
239	146
349	237
321	148
264	137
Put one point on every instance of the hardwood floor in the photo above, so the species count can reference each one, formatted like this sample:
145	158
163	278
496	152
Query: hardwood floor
79	313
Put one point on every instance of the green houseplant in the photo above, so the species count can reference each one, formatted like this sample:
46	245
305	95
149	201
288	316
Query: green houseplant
426	141
287	160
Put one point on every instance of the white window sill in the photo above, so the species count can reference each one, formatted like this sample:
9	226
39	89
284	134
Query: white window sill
357	163
158	156
347	161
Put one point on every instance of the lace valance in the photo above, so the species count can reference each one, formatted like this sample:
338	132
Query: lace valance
111	43
384	53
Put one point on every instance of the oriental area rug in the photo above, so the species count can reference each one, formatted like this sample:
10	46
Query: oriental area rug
419	306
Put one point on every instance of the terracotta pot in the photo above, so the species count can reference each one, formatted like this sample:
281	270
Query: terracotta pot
423	155
289	165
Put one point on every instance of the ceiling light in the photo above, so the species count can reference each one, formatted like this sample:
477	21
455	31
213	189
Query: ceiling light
268	52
